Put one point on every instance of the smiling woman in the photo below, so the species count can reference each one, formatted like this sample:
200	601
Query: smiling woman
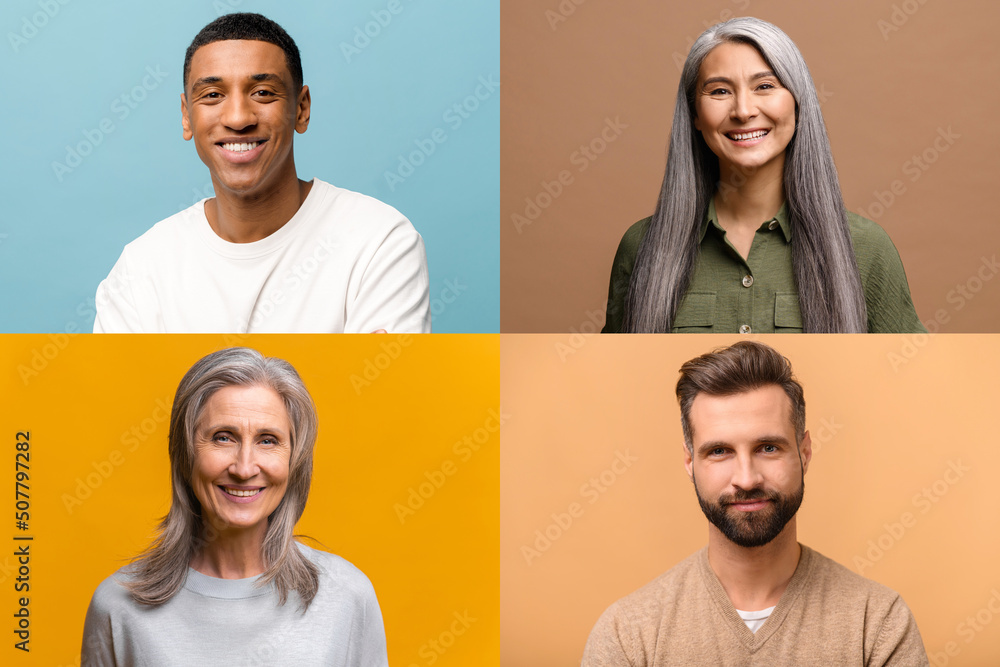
226	580
750	233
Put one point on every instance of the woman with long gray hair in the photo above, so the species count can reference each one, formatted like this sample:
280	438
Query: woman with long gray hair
750	233
225	581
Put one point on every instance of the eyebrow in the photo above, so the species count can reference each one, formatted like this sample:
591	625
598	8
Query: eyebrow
762	440
722	79
209	80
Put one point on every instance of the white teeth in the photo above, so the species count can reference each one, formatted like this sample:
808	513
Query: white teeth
748	135
241	492
241	148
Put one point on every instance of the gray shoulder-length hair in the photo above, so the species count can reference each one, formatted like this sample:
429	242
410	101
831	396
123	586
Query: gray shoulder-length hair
160	571
826	272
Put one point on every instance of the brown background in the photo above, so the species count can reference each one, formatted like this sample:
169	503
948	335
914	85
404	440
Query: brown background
885	99
888	415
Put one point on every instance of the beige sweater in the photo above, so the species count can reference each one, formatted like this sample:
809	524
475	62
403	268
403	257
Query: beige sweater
827	616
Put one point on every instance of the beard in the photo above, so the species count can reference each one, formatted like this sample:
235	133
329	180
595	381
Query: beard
752	529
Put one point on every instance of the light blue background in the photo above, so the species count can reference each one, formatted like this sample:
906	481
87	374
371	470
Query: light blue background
58	240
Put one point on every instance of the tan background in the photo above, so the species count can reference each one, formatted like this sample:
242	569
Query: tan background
888	415
885	99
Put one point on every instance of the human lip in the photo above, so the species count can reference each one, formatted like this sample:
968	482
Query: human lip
240	149
750	505
749	137
241	494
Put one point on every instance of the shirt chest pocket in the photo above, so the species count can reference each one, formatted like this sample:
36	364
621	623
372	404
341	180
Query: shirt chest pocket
787	316
696	313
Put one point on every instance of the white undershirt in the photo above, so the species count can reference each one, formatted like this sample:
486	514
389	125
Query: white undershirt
755	619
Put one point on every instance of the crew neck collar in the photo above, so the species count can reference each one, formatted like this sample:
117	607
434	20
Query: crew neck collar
226	589
268	244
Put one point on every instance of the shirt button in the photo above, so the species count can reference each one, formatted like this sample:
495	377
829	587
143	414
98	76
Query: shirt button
747	280
745	328
773	225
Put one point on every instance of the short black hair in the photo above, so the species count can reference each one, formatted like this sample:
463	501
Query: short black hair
250	26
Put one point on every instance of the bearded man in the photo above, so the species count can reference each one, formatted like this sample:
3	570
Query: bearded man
754	595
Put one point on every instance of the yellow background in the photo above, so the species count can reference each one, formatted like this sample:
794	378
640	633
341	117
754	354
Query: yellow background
81	397
888	416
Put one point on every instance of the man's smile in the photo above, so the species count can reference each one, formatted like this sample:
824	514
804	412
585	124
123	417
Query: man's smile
239	150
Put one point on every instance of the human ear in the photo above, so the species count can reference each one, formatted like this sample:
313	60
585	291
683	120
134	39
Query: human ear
185	120
302	110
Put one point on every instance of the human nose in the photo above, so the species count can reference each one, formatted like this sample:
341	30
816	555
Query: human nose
744	106
747	476
239	113
244	465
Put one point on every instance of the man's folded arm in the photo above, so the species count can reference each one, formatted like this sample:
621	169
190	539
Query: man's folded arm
395	287
115	311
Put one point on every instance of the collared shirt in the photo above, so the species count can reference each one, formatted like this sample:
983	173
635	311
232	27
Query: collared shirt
757	294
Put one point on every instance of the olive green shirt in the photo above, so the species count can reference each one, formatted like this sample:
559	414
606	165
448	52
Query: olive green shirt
730	294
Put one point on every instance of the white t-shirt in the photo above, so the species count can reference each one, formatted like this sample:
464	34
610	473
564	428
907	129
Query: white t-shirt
755	619
345	262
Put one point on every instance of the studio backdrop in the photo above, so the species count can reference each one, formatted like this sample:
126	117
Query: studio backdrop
589	101
405	480
405	108
595	501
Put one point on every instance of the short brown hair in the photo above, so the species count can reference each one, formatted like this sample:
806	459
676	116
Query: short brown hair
742	367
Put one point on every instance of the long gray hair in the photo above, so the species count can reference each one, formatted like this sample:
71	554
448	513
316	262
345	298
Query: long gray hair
159	572
826	273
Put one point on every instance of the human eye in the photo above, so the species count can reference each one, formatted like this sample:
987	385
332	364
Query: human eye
270	440
718	92
222	438
717	452
769	448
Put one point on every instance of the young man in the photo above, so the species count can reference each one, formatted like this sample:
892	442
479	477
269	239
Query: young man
754	595
270	252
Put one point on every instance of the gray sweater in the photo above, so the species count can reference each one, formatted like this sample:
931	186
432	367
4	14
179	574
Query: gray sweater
229	621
